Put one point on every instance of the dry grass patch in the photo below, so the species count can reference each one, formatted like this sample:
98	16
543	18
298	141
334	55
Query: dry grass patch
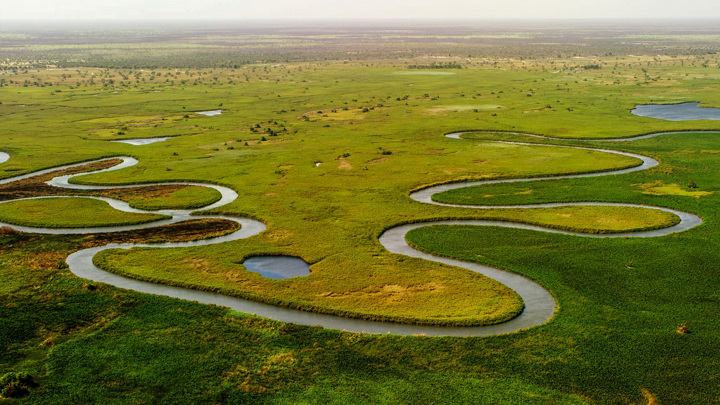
377	161
660	188
444	109
344	164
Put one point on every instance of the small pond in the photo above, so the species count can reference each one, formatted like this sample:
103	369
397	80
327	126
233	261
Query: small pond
277	267
677	112
142	141
209	113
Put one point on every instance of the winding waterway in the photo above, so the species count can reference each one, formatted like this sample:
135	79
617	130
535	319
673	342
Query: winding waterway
539	303
142	141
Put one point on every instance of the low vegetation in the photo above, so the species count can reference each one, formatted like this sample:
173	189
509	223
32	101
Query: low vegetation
304	140
16	385
69	212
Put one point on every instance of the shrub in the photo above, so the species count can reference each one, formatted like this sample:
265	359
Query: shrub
14	390
16	385
8	231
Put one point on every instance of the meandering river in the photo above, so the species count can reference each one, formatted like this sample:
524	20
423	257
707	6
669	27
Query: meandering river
539	303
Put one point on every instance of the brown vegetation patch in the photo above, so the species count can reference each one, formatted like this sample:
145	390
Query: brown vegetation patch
143	192
180	232
452	170
344	164
36	187
199	264
277	234
651	400
665	169
40	259
660	188
8	231
273	374
388	292
377	161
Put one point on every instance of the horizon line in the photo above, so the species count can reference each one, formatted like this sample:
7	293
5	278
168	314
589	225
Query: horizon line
344	19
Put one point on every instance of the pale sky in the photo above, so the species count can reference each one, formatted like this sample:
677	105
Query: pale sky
352	9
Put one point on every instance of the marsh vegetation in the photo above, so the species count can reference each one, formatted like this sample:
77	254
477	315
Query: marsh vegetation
621	302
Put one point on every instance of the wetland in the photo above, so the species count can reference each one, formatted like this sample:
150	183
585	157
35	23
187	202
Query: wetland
332	148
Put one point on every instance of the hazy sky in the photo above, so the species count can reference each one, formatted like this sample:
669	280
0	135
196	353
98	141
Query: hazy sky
336	9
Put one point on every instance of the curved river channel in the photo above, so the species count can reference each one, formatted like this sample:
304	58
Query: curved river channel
539	303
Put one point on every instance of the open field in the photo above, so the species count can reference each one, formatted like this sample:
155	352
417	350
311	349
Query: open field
325	152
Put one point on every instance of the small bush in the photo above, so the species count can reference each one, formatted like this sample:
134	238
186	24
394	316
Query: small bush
14	390
16	385
8	231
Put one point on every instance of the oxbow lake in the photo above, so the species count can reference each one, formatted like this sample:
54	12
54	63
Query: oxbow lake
210	113
677	112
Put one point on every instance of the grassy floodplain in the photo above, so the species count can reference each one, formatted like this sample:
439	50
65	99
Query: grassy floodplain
69	213
326	158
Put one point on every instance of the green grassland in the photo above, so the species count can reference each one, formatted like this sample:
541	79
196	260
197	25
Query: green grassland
69	213
167	197
326	157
